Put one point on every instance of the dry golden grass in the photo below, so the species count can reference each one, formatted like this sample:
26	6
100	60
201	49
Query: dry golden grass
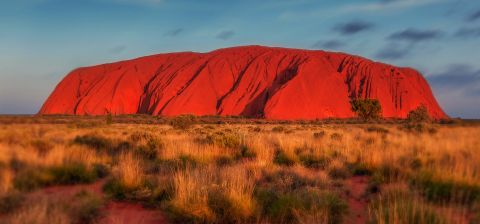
129	171
211	181
40	212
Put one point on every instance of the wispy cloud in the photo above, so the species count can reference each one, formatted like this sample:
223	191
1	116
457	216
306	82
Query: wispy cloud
225	35
468	32
415	35
329	45
474	16
174	32
456	76
353	27
393	52
388	5
138	2
117	49
458	89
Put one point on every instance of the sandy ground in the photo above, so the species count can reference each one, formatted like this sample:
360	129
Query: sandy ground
113	212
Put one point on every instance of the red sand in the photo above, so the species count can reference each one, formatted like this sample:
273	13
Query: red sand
112	212
122	212
252	81
357	202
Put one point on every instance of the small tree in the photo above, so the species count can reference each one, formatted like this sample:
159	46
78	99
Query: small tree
419	114
367	109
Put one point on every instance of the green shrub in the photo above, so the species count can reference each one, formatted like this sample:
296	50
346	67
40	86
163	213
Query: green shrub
360	169
420	114
226	210
367	109
282	158
224	140
94	141
437	190
284	181
183	121
150	193
290	207
148	151
117	190
72	173
100	170
32	178
314	162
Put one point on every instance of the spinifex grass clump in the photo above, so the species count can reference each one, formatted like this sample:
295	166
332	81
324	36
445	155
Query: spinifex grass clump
438	189
288	197
32	178
209	195
398	206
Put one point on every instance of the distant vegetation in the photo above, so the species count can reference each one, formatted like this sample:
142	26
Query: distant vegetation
213	170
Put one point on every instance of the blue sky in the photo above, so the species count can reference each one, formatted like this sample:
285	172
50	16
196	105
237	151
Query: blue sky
42	40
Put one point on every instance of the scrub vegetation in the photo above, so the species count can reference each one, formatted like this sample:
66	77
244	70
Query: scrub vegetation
233	170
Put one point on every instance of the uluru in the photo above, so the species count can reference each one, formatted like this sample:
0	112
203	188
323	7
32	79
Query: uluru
249	81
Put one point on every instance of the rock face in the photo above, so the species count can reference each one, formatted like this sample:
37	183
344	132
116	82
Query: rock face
252	81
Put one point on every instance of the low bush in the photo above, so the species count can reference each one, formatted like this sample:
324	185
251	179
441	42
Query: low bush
147	192
313	161
94	141
183	122
360	169
34	177
292	207
72	173
10	202
245	152
224	160
224	140
85	207
441	190
284	181
284	159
